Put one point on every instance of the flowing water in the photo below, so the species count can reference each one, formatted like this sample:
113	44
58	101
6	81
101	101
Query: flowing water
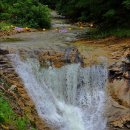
67	98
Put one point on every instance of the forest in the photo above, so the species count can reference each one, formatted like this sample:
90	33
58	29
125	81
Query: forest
36	13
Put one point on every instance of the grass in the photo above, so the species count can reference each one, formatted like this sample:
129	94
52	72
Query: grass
4	26
118	32
8	118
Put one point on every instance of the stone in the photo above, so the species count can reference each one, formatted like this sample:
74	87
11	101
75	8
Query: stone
127	124
12	88
4	52
127	75
123	121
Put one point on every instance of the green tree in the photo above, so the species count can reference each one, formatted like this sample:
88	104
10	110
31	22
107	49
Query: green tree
104	13
29	13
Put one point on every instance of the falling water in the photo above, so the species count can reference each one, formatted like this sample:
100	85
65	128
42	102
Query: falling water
67	98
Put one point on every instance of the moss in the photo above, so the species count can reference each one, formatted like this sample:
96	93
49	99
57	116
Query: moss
9	118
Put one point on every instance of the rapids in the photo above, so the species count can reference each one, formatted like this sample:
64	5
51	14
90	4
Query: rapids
67	98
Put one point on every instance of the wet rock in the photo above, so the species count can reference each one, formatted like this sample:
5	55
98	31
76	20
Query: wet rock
115	74
127	124
17	95
4	52
119	90
12	88
70	39
127	75
122	122
72	55
58	58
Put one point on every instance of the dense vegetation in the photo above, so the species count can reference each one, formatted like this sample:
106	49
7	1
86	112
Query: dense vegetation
111	17
29	13
51	3
35	13
108	13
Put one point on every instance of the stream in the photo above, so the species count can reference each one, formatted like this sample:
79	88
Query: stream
67	98
57	38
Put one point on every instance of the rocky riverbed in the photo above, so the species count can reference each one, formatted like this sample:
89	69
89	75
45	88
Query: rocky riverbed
58	47
117	52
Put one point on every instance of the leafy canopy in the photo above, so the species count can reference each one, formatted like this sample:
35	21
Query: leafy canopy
25	13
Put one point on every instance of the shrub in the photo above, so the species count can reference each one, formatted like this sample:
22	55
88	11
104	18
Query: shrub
106	14
25	13
118	32
5	26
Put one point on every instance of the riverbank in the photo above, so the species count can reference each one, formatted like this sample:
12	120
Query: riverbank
114	50
117	51
60	46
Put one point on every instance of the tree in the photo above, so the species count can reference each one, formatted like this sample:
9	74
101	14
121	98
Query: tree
104	13
29	13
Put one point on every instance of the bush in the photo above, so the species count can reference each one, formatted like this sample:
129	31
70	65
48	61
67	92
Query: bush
50	3
5	26
26	13
106	14
118	32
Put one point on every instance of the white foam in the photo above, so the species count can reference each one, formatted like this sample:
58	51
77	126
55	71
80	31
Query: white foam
69	98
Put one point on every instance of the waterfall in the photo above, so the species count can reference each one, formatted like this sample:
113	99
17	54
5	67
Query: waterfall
67	98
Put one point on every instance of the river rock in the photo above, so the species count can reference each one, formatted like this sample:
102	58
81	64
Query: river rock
4	52
19	99
119	90
127	124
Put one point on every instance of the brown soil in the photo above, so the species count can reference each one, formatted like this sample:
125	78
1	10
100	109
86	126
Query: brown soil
112	48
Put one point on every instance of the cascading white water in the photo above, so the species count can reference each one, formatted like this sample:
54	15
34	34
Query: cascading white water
68	98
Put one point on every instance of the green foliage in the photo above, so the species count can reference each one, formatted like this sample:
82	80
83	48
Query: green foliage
2	118
108	14
21	123
29	13
118	32
50	3
5	26
8	117
127	4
